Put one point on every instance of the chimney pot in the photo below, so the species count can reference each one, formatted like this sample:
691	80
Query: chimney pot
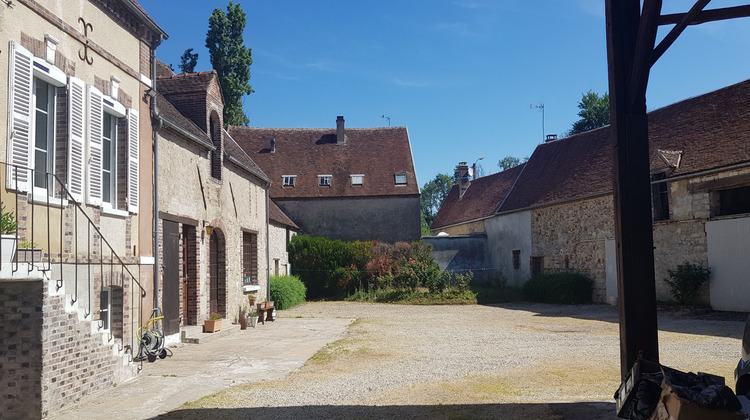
551	137
463	178
340	134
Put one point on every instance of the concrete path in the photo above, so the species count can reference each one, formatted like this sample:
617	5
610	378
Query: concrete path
267	352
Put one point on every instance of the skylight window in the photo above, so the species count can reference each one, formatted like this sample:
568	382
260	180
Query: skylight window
358	179
289	180
400	179
324	180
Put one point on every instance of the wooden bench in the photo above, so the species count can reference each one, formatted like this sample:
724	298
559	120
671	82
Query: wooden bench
265	314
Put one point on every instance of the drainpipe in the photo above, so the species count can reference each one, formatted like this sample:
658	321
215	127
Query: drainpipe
156	118
268	246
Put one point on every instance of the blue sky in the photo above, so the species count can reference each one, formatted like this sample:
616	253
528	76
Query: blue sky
460	74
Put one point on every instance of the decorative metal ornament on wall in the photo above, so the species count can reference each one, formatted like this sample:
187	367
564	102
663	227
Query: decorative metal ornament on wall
87	27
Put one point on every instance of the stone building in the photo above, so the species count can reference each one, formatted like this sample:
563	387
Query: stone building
559	212
77	180
343	183
218	225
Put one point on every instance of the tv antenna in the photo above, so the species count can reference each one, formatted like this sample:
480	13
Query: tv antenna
541	106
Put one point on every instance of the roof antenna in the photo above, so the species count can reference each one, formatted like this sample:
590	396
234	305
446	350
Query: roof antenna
387	118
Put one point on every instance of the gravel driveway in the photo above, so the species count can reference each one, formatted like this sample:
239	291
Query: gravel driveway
455	362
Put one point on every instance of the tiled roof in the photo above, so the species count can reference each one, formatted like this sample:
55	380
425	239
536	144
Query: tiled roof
185	83
163	70
180	123
376	153
481	199
235	153
277	215
707	132
577	166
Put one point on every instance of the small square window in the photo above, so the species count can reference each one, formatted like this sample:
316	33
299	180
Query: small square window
400	179
289	180
358	179
324	180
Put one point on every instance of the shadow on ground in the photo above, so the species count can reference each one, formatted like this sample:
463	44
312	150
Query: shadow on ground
557	411
670	318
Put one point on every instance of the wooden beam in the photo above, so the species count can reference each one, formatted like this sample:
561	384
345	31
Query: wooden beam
677	30
632	191
644	48
711	15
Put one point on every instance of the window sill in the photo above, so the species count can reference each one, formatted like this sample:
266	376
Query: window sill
114	212
38	198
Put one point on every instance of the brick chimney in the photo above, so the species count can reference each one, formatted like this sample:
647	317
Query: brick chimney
273	145
463	179
340	135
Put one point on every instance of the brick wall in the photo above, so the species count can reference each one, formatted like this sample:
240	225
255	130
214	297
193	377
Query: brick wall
21	349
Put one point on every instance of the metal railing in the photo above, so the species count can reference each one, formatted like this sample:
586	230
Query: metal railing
49	231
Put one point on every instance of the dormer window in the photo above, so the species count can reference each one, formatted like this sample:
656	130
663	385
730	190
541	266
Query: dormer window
289	180
358	179
400	178
324	180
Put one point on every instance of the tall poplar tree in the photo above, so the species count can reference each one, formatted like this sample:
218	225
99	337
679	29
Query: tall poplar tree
231	59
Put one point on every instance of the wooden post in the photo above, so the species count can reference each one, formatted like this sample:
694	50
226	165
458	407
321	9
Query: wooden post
632	191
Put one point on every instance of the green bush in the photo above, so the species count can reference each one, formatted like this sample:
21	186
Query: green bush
686	281
287	291
562	287
8	225
316	260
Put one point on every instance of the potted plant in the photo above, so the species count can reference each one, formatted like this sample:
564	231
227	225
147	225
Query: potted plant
28	252
8	229
243	318
253	319
251	299
213	323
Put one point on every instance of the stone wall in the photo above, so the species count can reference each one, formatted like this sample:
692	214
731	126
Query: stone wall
280	237
572	236
462	229
389	219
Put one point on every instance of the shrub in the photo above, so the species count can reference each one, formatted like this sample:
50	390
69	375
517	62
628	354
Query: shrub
287	291
562	287
8	225
438	283
686	281
462	281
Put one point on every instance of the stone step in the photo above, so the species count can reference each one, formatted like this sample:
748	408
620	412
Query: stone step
194	334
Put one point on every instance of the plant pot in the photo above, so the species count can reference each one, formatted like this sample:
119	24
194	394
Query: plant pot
243	322
28	255
8	248
212	325
253	321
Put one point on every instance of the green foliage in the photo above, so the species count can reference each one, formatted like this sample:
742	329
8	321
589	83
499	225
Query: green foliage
594	112
316	260
462	281
433	195
565	287
510	162
231	60
8	225
686	281
287	291
188	61
214	316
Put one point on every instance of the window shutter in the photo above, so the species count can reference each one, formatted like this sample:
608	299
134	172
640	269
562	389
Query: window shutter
94	116
19	108
76	127
133	161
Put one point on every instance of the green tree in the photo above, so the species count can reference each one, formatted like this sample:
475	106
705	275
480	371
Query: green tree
594	112
433	195
510	162
231	60
188	60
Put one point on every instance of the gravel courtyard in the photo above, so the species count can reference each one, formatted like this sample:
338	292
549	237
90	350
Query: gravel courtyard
454	362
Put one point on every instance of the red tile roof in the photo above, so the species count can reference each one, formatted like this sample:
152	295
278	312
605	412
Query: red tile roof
376	153
481	199
707	132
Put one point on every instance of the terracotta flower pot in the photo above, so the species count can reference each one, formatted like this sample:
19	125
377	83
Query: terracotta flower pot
212	325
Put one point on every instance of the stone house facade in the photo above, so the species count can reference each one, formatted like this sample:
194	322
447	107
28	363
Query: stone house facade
342	183
213	207
700	166
78	179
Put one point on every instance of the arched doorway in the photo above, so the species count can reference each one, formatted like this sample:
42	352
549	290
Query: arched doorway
217	273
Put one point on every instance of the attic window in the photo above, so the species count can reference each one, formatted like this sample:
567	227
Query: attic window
289	180
324	180
400	179
358	179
